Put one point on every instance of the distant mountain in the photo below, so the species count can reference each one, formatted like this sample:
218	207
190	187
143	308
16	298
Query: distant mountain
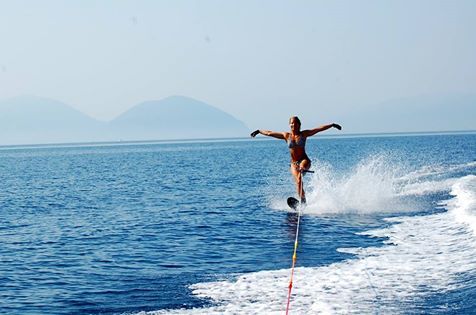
176	117
33	120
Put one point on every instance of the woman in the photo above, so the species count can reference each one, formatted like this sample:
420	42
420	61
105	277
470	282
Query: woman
296	140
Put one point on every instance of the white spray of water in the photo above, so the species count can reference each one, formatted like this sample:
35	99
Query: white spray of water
371	186
377	184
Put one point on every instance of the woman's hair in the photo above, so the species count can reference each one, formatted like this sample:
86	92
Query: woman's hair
295	118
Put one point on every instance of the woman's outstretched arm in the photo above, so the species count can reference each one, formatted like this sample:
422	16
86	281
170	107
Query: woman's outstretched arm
312	132
269	133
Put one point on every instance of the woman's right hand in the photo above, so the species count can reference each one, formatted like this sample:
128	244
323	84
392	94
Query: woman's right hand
337	126
254	133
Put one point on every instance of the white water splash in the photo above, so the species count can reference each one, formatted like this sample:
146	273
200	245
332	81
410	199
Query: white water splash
371	186
377	184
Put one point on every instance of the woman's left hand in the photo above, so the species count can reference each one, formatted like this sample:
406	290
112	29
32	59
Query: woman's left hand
337	126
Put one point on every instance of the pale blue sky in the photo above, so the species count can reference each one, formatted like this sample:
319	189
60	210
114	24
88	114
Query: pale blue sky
261	61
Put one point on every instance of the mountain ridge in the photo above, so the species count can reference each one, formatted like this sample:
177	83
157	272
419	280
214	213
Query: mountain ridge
35	120
177	117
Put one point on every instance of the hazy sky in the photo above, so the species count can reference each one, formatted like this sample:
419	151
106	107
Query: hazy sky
261	61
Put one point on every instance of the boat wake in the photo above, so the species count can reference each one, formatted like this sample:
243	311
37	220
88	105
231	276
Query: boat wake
423	256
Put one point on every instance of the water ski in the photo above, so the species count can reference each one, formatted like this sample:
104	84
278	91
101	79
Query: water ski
293	203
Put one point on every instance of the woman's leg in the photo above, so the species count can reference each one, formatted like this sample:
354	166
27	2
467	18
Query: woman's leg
295	171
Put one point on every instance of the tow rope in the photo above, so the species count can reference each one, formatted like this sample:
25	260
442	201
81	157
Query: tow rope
290	288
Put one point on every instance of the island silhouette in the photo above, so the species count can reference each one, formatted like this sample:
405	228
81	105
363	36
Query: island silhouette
38	120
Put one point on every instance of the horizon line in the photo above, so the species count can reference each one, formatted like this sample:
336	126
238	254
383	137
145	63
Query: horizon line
205	140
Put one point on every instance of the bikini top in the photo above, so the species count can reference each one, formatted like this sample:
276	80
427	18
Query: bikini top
300	143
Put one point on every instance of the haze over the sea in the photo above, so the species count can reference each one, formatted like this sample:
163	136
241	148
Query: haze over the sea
398	66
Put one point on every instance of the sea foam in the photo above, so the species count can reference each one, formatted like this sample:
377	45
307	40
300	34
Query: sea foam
463	205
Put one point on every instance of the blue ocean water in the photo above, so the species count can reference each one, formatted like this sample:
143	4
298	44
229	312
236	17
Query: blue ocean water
202	227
